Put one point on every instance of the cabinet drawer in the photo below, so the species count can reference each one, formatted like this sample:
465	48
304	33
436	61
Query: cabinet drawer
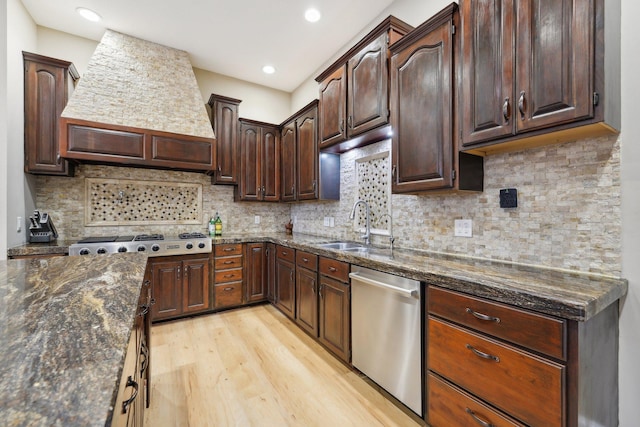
228	249
538	332
228	294
286	253
227	262
521	384
337	269
224	276
448	406
307	260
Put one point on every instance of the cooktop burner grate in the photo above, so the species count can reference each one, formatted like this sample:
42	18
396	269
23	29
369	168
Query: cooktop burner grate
147	237
194	235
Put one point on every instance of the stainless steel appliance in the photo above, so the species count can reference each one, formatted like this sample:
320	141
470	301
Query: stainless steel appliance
153	244
386	333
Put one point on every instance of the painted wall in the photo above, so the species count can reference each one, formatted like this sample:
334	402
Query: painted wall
65	46
258	102
21	35
630	314
4	103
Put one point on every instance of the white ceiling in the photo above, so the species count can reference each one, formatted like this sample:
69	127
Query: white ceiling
234	38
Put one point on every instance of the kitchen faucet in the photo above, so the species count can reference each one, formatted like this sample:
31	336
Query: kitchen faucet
391	238
367	233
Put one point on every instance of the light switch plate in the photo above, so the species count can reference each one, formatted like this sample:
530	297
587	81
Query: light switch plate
463	228
256	219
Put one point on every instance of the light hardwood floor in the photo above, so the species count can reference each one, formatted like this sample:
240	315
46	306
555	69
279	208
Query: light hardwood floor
254	367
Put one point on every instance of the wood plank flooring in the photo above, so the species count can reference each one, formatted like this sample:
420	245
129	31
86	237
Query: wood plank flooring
254	367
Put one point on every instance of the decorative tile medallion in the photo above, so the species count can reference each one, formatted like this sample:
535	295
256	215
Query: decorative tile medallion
129	202
374	187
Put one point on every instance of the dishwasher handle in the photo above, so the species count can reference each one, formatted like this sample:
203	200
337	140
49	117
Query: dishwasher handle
409	293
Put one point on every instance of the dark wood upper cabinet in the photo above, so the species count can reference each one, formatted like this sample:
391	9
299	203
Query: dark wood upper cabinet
354	90
532	72
259	162
48	83
424	144
224	119
288	163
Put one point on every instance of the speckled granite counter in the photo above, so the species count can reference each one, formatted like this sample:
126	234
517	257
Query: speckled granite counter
59	247
66	322
568	295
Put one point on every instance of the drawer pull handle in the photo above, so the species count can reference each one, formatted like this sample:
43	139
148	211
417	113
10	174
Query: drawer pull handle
227	276
482	316
126	403
478	419
333	269
483	354
305	259
229	249
285	253
228	289
228	262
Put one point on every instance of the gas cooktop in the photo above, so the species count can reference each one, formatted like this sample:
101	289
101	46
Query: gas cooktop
153	244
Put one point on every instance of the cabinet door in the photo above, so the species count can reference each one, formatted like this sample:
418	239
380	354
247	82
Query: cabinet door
286	287
225	127
256	272
554	62
367	77
307	155
271	272
270	164
487	69
167	289
335	317
195	285
45	96
422	113
288	163
333	108
307	300
250	162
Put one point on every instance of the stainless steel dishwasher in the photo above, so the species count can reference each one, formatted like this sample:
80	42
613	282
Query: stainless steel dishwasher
386	333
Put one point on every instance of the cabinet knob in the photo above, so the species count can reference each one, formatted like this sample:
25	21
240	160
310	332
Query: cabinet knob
58	159
350	122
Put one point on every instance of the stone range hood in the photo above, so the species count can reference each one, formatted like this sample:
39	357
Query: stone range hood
138	104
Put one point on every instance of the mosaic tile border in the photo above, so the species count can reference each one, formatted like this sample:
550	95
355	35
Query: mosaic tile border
133	202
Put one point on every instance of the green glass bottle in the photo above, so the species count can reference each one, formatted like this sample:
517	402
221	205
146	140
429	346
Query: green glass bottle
218	225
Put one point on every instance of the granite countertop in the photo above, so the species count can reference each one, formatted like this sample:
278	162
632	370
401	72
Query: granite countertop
570	295
57	247
66	323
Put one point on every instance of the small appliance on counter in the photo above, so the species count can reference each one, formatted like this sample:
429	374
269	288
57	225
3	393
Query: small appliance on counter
41	229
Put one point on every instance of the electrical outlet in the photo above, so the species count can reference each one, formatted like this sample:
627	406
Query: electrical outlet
332	222
326	221
256	219
463	228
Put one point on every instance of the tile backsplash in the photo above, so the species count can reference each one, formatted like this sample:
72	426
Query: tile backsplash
568	213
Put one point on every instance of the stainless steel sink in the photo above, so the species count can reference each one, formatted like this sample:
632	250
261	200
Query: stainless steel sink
342	246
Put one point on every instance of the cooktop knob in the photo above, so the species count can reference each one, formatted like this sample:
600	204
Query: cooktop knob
141	248
101	251
155	248
84	251
201	245
122	249
189	245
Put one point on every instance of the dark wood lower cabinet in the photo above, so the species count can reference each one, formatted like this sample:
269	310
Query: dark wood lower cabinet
255	272
285	290
335	314
180	285
307	300
271	272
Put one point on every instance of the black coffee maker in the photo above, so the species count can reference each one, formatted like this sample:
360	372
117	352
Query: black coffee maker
41	229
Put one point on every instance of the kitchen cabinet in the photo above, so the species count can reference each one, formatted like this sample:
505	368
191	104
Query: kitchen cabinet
425	153
256	272
180	285
228	275
540	367
259	162
224	119
334	329
306	175
271	272
48	83
530	68
354	90
307	292
285	289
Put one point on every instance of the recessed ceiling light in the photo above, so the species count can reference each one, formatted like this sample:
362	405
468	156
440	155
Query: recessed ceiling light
88	14
312	15
268	69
